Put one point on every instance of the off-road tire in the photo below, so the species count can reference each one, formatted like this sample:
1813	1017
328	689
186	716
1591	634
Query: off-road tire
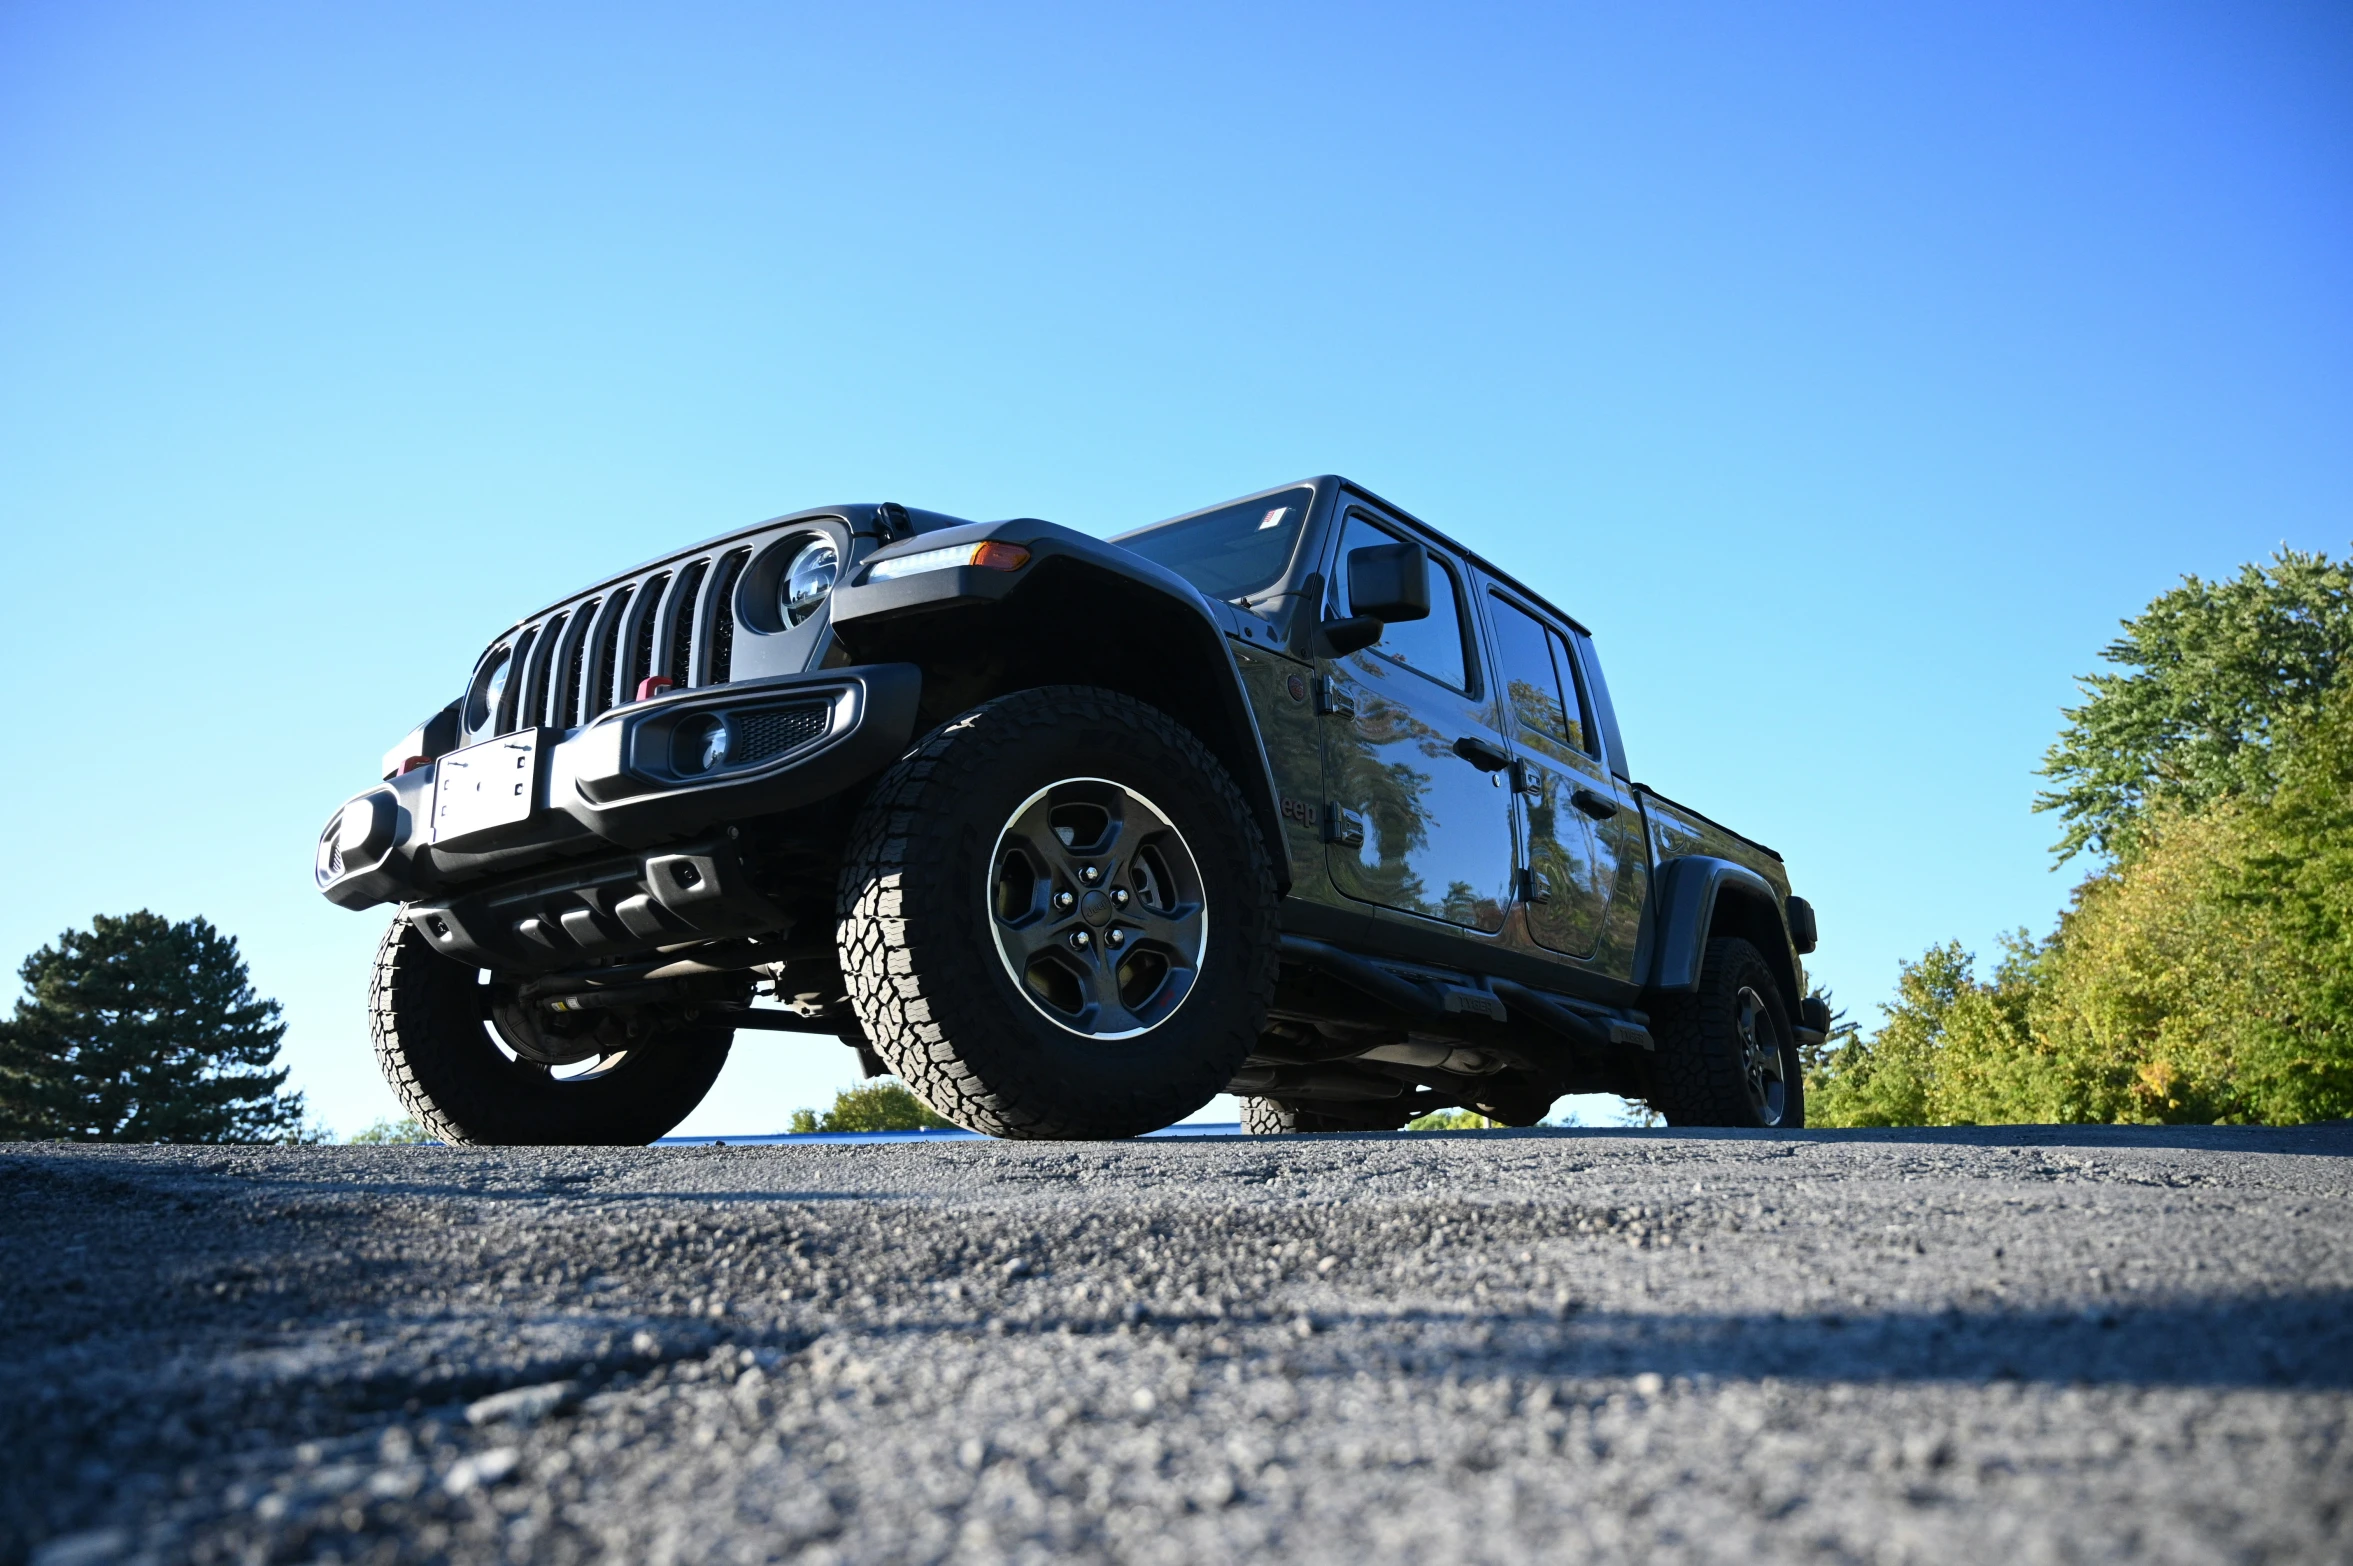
921	961
1701	1075
428	1017
1273	1117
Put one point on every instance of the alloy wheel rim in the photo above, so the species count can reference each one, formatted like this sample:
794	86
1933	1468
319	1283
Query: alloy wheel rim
1762	1066
1097	908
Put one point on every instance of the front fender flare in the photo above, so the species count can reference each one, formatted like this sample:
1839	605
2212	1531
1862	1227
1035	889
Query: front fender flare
1074	591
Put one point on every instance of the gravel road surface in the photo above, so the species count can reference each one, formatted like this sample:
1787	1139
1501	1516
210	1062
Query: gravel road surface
2014	1346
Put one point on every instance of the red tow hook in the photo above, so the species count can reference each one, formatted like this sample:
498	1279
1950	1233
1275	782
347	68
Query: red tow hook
653	685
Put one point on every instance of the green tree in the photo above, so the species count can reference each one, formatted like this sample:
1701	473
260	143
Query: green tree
1450	1120
2210	976
884	1104
142	1030
406	1132
2219	671
1953	1049
2207	976
1885	1080
2298	882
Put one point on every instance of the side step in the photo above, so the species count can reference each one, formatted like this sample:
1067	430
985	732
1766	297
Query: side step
1431	999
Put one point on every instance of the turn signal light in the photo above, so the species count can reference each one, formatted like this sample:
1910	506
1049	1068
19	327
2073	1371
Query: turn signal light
990	555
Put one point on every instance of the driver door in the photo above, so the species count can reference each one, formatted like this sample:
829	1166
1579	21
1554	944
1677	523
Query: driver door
1420	818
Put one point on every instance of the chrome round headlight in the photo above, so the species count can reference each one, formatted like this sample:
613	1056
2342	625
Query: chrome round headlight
699	744
808	579
490	689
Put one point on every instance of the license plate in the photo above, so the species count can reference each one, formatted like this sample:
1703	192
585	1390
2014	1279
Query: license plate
493	784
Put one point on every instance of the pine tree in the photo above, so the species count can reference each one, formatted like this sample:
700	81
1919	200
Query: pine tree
142	1030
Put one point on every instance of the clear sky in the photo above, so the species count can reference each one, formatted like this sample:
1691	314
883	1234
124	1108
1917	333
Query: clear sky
1850	369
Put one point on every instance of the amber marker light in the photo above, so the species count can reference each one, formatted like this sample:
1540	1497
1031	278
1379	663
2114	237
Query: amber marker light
990	555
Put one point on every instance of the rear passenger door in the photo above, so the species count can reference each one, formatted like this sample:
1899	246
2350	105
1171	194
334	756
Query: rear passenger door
1562	788
1420	819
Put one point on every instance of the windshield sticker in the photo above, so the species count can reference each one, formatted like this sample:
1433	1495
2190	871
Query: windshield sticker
1274	518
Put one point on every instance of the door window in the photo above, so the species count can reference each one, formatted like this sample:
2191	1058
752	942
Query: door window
1531	678
1567	888
1419	823
1433	646
1583	732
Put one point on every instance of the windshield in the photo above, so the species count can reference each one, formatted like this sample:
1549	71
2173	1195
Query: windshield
1231	552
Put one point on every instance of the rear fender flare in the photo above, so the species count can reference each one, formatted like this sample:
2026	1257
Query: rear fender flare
1700	897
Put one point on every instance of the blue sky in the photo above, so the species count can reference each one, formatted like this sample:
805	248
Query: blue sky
1850	369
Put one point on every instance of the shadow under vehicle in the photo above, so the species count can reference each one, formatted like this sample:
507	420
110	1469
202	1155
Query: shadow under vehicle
1292	797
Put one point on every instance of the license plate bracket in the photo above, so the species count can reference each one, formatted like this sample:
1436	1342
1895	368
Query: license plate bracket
485	787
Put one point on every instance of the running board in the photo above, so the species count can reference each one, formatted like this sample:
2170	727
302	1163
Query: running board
1494	1001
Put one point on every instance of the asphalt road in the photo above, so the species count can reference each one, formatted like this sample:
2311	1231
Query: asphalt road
2020	1346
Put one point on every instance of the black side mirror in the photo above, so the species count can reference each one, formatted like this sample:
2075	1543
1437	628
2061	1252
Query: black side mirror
1390	582
1386	583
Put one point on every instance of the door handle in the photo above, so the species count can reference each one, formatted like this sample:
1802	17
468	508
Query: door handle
1486	755
1600	807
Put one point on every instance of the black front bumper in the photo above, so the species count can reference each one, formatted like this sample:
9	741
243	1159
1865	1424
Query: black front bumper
617	783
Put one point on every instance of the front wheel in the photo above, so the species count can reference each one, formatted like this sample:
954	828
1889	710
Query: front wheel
1726	1056
475	1066
1057	918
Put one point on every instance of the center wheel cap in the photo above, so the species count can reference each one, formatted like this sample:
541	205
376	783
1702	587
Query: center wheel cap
1095	908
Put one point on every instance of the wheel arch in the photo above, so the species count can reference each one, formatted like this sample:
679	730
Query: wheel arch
1075	618
1700	898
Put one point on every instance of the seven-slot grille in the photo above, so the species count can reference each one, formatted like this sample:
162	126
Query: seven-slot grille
589	657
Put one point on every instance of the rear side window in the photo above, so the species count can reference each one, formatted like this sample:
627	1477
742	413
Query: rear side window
1584	733
1538	676
1531	680
1433	646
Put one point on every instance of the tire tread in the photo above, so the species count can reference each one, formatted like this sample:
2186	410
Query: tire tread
898	961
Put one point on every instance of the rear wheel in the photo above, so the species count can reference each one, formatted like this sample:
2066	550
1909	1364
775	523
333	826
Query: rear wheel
1273	1117
1057	918
1726	1056
476	1065
1281	1117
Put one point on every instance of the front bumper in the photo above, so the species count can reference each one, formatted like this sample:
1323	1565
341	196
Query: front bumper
617	782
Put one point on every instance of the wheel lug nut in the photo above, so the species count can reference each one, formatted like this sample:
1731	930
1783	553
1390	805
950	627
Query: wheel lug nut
1064	900
1115	937
1090	875
1078	938
1119	895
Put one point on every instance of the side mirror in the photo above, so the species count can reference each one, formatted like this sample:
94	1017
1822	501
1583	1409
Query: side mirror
1390	582
1386	583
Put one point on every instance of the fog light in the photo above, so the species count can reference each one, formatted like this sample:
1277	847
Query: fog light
699	743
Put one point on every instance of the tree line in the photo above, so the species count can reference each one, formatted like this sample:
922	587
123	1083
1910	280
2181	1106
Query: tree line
2203	971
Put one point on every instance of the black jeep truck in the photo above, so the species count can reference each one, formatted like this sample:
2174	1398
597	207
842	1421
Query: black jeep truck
1293	797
